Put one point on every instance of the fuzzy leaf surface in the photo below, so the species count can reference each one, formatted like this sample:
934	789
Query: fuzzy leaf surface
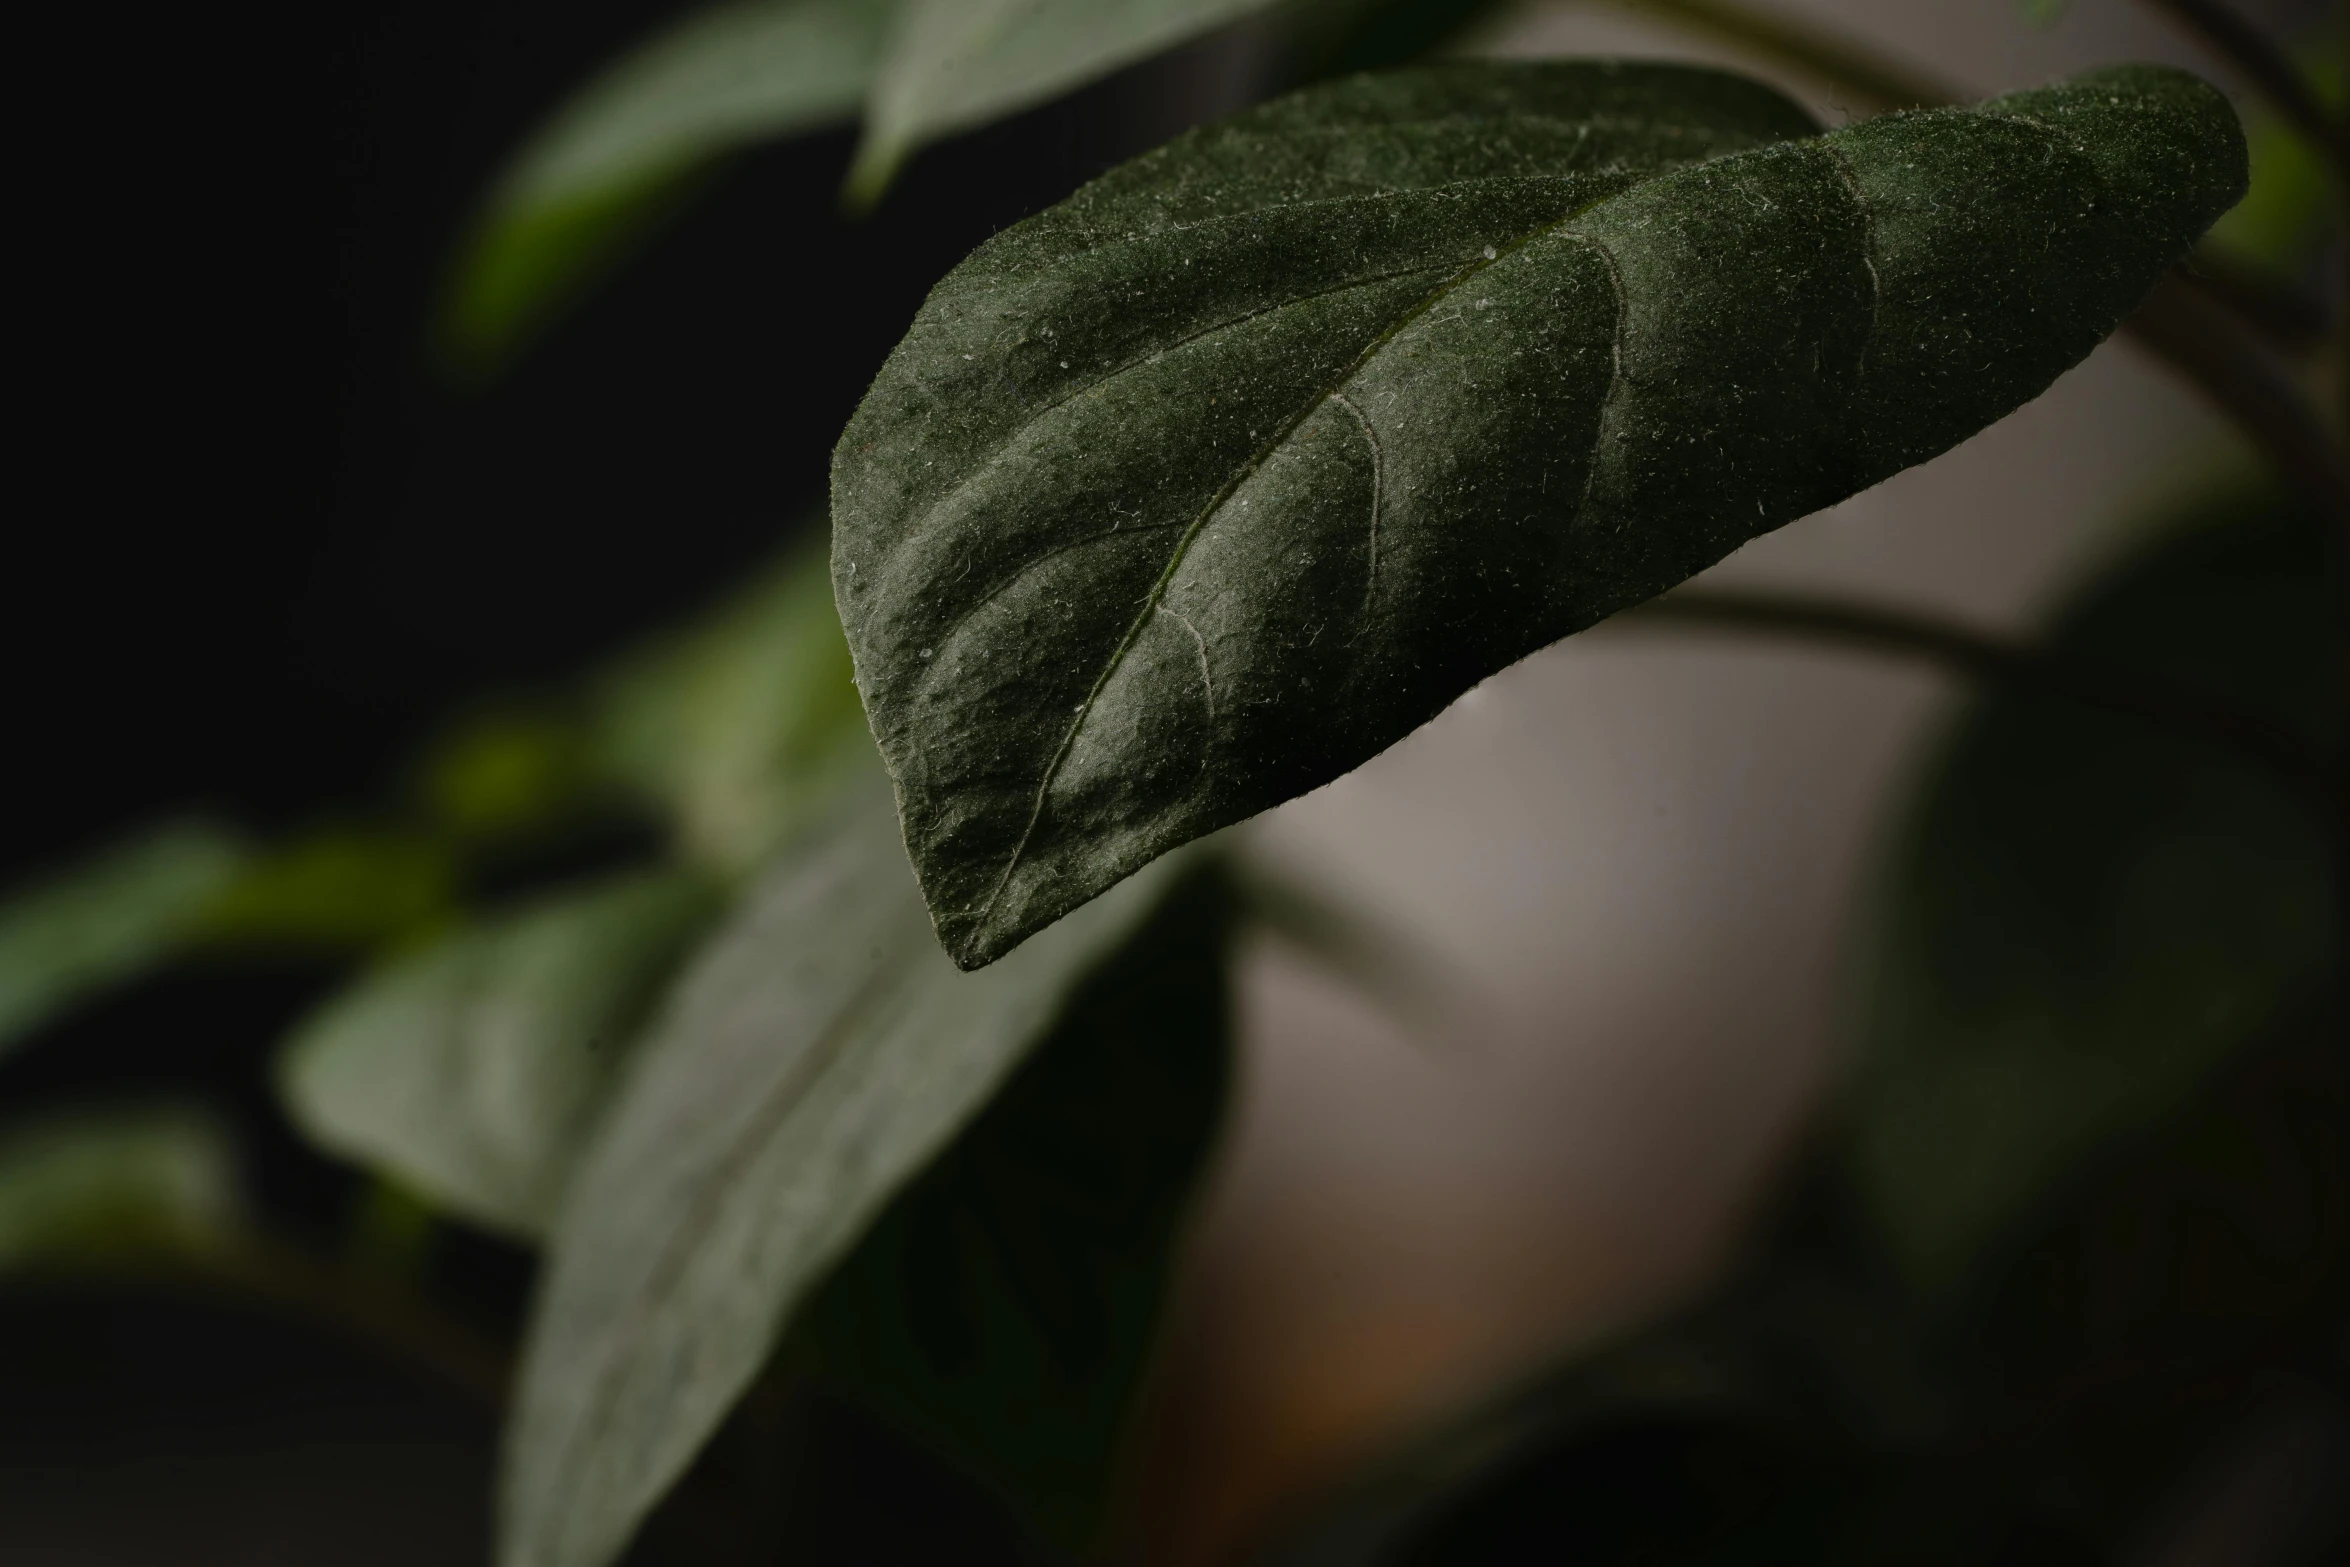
817	1054
473	1070
1198	490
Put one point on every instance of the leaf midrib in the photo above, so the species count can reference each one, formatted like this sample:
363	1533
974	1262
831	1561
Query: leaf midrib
676	1258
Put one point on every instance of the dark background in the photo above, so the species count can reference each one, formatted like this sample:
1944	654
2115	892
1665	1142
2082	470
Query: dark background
260	550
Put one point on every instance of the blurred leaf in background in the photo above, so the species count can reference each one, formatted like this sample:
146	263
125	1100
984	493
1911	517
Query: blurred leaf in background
736	725
818	1053
954	64
1336	37
107	919
629	148
505	774
336	890
2088	916
472	1070
2194	1275
2284	218
1003	1309
100	1188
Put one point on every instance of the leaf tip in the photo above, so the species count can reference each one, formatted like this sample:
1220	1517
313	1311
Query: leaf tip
871	173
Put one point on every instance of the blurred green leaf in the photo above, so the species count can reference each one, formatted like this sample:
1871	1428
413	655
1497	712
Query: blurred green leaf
505	774
471	1071
1337	37
336	890
628	148
819	1052
96	1188
1004	1307
735	726
2289	208
106	920
2150	1305
953	64
2086	917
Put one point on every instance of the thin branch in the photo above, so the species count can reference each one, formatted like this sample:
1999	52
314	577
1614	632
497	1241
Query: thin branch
251	1270
2196	335
1835	61
2291	320
2246	732
398	1325
2234	37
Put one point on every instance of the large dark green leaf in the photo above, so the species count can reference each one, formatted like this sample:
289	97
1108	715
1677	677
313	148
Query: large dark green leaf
1004	1307
2089	915
106	920
815	1057
472	1070
1197	490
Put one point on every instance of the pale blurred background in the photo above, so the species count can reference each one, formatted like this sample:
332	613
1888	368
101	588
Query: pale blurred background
1639	857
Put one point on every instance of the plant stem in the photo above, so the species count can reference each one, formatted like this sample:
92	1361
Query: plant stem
2196	334
397	1324
1818	52
2233	37
2291	320
2248	733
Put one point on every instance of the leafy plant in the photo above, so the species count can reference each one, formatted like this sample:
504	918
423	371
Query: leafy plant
1185	496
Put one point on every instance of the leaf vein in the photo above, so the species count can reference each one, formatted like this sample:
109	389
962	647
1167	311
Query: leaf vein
685	1238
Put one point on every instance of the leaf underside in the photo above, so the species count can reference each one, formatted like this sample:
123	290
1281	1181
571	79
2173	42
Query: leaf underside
815	1056
1198	490
1003	1310
473	1070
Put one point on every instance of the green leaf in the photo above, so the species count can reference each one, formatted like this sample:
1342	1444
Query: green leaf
814	1058
472	1070
505	775
105	921
1004	1307
737	726
335	890
2087	916
95	1188
2287	213
953	64
629	147
2130	1303
1186	496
